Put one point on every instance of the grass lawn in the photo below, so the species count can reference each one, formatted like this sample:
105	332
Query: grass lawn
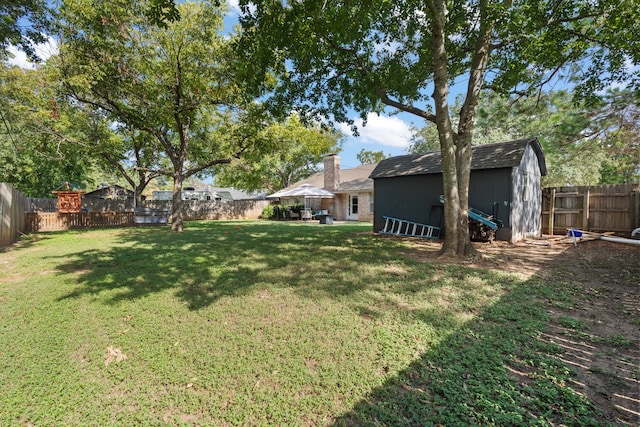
268	323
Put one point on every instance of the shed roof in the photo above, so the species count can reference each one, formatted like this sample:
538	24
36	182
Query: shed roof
489	156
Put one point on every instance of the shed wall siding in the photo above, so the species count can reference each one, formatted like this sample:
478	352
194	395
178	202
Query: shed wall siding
407	197
417	198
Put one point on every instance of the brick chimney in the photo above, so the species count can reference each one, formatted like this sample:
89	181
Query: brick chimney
331	172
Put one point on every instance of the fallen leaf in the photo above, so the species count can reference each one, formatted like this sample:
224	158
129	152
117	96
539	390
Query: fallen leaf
114	355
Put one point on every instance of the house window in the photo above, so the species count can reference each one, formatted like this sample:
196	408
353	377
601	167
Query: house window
354	205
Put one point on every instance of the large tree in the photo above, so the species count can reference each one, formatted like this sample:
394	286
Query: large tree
35	131
405	54
584	143
22	24
295	150
367	157
174	84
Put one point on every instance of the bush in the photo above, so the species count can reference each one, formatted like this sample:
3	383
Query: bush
267	212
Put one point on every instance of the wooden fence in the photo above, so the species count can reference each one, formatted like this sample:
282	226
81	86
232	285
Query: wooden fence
191	210
602	208
11	214
55	221
212	209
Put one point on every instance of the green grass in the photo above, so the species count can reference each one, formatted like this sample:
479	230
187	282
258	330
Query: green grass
266	323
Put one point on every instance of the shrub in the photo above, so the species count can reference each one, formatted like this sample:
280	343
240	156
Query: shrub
267	212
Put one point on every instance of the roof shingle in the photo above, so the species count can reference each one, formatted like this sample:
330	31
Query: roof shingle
489	156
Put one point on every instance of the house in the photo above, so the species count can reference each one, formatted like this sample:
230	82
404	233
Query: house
110	192
353	190
109	198
505	183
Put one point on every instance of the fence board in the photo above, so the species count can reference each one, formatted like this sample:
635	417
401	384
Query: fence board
55	221
591	208
200	209
11	214
191	210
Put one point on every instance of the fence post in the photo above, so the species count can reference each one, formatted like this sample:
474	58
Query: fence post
585	209
552	205
635	220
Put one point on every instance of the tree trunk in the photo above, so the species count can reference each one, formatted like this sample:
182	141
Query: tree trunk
454	228
463	170
176	205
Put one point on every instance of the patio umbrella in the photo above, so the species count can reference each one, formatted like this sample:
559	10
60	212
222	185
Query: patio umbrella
305	191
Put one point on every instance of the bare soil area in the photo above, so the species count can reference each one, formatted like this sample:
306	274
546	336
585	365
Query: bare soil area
599	331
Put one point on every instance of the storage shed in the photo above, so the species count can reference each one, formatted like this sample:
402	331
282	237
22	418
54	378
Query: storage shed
505	183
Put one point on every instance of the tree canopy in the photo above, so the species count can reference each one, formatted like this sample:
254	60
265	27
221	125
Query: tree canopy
44	142
175	85
294	152
405	54
367	157
584	143
22	24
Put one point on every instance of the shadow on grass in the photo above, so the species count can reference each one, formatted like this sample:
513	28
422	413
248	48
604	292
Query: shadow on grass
211	260
514	365
490	371
496	369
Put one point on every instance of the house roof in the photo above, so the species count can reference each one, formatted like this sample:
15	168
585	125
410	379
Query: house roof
109	189
489	156
351	180
234	193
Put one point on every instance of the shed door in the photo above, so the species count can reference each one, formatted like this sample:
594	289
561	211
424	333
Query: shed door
352	214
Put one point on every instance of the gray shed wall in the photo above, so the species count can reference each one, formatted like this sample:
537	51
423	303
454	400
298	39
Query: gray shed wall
417	198
407	197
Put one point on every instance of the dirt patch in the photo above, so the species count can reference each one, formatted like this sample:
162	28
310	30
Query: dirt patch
599	331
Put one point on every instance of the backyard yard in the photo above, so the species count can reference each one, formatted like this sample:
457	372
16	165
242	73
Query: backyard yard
274	323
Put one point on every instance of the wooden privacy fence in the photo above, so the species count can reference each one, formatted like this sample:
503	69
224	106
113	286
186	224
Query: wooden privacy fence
213	209
602	208
55	221
191	210
11	214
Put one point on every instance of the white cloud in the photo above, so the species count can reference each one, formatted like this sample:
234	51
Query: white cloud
383	130
234	5
43	50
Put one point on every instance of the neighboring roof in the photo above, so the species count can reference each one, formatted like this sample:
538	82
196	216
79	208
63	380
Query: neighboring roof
226	193
108	188
489	156
235	194
356	179
351	180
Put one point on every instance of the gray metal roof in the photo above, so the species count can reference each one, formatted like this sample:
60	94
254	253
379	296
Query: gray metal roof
489	156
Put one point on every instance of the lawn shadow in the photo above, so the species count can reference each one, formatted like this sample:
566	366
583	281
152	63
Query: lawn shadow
497	368
516	364
211	260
